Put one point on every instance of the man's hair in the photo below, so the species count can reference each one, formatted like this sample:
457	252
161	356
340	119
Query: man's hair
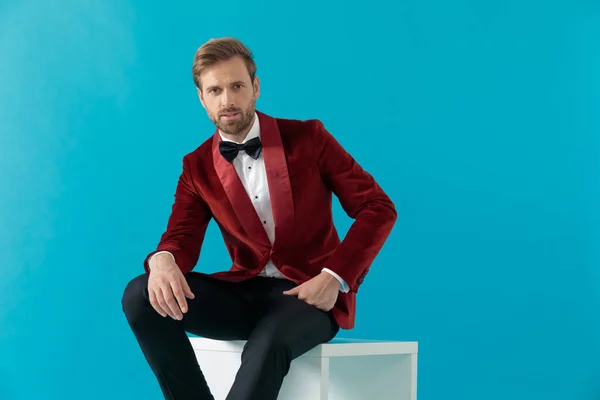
222	49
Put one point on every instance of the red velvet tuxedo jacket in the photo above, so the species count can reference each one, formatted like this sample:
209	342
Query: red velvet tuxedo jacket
305	165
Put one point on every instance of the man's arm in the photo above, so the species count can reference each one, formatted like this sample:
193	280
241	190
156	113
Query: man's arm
186	226
362	199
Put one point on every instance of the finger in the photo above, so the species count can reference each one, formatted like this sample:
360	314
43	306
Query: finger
156	299
179	296
170	301
162	302
293	291
155	305
186	289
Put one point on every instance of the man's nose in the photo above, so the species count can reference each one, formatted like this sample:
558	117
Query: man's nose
226	99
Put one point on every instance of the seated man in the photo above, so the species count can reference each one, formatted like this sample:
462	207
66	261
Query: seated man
268	183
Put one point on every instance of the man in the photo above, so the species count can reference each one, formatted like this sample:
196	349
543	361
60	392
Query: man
268	184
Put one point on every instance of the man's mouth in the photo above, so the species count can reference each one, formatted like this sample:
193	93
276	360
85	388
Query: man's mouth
230	115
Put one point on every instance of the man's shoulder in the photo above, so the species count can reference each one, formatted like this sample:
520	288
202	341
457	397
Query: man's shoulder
295	124
293	130
202	151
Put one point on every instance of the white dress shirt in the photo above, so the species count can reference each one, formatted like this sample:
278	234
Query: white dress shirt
253	176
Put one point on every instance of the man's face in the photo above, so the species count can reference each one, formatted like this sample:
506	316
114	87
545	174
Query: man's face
228	96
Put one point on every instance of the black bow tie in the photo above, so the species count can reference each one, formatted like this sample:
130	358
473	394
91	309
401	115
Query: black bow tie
230	150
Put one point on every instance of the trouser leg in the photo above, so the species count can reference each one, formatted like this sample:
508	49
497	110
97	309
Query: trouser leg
286	328
218	311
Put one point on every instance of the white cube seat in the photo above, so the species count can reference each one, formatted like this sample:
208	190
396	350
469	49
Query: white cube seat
342	369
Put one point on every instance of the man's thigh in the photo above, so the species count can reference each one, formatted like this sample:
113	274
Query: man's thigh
219	310
286	321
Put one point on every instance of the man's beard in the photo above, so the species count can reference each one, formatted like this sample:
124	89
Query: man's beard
239	126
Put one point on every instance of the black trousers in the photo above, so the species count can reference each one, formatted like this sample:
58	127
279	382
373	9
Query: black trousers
277	327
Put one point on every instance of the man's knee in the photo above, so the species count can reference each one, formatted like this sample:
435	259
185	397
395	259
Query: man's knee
134	301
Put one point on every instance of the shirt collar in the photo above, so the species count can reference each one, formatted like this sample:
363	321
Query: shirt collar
254	131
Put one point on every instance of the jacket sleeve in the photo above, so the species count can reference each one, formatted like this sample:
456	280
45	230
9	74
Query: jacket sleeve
186	225
362	199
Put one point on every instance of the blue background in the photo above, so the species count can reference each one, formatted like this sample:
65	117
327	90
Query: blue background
479	118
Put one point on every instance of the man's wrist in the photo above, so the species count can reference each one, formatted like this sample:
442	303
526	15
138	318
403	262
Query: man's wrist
159	259
343	286
330	279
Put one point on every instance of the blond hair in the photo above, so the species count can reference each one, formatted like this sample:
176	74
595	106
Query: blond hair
217	50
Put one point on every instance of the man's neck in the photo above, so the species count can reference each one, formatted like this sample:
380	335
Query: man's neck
238	137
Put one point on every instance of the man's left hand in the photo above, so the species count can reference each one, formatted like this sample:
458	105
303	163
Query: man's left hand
320	291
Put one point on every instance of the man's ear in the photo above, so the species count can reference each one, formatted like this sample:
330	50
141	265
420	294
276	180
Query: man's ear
201	97
256	87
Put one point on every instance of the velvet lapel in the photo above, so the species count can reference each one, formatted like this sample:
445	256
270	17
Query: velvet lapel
278	177
238	197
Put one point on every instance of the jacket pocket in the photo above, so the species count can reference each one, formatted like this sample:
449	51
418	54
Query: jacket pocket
317	259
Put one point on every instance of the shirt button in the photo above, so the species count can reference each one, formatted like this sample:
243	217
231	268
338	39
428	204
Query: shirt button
264	222
256	197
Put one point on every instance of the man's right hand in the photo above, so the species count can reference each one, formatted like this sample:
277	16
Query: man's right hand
167	287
